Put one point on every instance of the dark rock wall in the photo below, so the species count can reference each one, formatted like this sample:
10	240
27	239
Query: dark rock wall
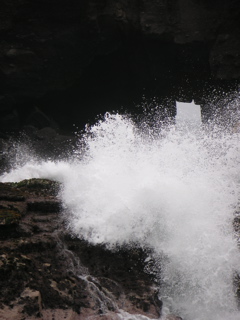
75	59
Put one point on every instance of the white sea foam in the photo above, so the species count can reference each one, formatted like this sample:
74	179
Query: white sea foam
174	191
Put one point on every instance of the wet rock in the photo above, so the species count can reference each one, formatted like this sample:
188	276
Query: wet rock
35	186
32	302
9	215
45	206
45	273
8	193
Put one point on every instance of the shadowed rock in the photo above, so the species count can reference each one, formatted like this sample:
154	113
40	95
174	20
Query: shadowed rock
73	60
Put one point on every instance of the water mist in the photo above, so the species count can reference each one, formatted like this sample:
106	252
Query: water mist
174	190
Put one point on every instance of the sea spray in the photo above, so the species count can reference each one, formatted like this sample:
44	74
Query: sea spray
174	190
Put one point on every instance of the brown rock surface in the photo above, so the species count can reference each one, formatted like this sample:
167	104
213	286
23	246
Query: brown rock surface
46	274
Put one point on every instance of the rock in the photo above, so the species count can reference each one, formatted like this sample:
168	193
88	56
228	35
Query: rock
45	273
64	58
32	302
9	215
46	133
42	205
9	193
40	120
13	52
173	317
225	57
9	115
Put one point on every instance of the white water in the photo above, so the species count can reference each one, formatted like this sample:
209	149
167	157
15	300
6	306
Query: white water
175	191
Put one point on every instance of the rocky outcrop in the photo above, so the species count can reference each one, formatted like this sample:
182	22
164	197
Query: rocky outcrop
47	274
76	59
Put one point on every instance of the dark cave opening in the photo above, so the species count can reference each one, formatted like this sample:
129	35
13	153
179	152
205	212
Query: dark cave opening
133	71
119	80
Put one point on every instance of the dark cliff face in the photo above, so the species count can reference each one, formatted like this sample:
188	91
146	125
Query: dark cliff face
76	59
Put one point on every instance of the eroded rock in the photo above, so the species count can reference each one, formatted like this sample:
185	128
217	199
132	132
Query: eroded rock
45	273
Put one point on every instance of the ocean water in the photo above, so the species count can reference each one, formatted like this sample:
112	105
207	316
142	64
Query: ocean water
174	189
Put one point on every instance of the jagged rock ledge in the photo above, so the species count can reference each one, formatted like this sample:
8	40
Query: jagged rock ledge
47	274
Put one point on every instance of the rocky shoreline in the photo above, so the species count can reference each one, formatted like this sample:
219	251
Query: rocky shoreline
47	274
